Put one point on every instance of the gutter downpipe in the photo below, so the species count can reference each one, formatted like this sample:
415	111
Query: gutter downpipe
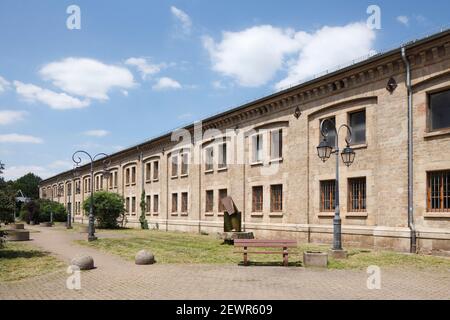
413	243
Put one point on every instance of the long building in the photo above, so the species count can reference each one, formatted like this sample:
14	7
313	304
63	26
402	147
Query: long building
263	154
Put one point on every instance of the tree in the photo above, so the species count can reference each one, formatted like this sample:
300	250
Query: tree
142	218
31	212
7	202
108	208
47	207
29	184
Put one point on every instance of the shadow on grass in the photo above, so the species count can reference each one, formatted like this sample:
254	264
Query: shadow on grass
6	253
270	264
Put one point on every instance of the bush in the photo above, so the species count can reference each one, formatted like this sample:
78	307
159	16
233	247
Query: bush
47	207
7	204
30	212
108	208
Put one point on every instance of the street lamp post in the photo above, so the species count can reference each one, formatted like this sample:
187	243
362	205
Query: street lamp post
77	159
324	151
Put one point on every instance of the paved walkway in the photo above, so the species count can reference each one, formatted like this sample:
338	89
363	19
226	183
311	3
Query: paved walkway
115	278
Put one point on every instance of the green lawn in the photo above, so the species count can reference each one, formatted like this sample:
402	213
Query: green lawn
189	248
19	260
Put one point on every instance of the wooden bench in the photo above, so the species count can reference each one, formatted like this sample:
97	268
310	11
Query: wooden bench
253	243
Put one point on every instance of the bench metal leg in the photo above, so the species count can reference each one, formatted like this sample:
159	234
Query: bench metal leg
245	257
285	257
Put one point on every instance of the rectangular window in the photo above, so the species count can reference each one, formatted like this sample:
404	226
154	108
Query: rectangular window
155	203
147	204
439	110
148	171
209	205
357	195
174	202
115	179
257	199
257	152
329	128
184	202
357	121
209	159
276	198
111	181
222	155
222	194
133	175
127	176
276	144
155	170
69	189
327	195
127	205
133	205
184	163
438	186
77	187
174	166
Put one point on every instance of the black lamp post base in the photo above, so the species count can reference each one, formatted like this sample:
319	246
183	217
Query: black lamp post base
92	238
338	254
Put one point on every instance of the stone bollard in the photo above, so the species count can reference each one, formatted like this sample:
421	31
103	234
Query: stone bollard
315	259
16	226
144	257
84	262
17	235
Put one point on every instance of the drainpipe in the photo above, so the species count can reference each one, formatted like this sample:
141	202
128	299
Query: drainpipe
413	244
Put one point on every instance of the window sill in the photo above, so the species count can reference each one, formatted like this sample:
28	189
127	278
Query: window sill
155	180
325	214
209	171
258	163
155	214
359	146
174	214
184	214
222	169
437	133
257	214
276	214
173	177
277	160
356	215
184	175
209	214
148	181
220	214
436	215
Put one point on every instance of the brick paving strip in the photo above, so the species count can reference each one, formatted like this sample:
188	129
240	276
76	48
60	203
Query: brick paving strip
116	278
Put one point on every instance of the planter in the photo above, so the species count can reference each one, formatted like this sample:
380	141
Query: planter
17	235
16	226
315	259
46	224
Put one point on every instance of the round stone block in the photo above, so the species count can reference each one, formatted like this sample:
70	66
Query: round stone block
84	262
17	235
144	257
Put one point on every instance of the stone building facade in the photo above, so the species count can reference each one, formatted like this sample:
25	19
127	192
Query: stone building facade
263	154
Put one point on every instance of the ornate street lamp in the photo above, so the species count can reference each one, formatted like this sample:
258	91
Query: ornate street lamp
106	162
324	151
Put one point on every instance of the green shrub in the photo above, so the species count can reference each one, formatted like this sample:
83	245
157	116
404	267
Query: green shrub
108	209
30	212
47	207
7	204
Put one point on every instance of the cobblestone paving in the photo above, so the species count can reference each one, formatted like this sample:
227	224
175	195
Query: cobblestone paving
115	278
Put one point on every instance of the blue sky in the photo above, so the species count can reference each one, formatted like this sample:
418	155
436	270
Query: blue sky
136	69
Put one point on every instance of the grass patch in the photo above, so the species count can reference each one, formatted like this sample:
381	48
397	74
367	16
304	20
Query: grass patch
19	261
188	248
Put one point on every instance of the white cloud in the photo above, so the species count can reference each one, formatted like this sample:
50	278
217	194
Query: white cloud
144	66
87	77
166	83
328	48
59	101
14	172
96	133
11	116
403	20
4	84
183	18
253	57
19	138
